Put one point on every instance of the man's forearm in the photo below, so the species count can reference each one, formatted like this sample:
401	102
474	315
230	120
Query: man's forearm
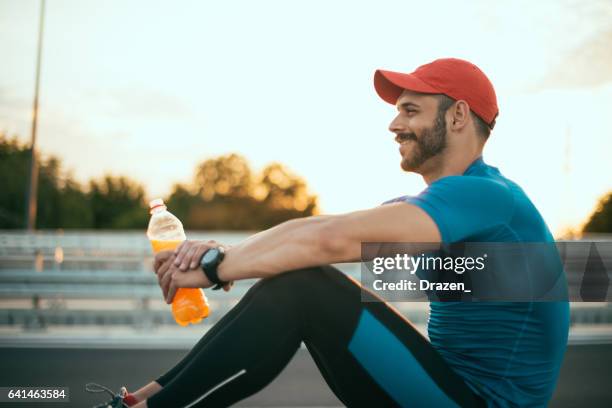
291	245
323	240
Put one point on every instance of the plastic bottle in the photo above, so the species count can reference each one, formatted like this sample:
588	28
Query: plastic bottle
165	233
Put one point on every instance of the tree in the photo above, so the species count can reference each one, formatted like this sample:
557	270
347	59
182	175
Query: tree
181	200
283	189
226	195
285	195
224	176
14	173
601	219
117	202
75	211
61	201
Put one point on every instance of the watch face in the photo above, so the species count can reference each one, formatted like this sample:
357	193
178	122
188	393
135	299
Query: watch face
210	255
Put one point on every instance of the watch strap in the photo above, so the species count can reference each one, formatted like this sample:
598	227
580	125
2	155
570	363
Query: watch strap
211	272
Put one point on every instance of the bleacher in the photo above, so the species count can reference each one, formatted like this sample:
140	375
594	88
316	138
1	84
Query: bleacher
79	278
86	278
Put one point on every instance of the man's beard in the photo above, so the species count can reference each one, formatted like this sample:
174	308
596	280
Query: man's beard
431	143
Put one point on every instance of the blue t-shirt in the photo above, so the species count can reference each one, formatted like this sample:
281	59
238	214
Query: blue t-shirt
508	352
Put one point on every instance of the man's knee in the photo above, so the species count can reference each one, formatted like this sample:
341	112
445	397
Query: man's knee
293	280
308	281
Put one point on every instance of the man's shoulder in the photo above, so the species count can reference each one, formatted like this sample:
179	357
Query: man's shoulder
473	186
464	188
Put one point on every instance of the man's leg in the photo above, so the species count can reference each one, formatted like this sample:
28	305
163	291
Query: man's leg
146	391
154	387
368	354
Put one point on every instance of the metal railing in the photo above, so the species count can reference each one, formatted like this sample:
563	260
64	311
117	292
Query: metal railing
49	269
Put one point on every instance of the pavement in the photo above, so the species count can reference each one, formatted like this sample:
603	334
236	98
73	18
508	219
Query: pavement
585	377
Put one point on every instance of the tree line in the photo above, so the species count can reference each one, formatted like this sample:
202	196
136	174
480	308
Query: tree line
225	194
601	219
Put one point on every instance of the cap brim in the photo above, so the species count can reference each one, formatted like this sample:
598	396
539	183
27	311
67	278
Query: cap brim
389	85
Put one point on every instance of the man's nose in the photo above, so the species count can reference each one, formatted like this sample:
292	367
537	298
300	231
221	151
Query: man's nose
395	126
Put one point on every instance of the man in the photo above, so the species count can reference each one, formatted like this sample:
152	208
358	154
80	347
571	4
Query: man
479	353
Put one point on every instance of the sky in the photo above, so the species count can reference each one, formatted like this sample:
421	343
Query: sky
149	89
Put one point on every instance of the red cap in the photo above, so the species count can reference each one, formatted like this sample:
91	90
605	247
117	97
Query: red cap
452	77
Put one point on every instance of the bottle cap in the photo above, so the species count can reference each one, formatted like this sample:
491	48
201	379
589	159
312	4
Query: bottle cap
158	202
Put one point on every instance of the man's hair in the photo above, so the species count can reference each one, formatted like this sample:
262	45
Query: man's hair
445	102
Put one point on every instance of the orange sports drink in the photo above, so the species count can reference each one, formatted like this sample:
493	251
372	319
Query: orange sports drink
166	233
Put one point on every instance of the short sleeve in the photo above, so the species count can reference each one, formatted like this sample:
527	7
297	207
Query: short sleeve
395	200
463	206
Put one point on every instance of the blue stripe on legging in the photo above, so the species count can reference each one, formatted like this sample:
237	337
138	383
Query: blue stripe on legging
393	366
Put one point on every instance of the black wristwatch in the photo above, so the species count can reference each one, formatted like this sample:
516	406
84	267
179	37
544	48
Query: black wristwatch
210	262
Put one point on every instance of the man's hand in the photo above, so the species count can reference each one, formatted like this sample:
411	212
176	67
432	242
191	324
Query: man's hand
190	253
171	276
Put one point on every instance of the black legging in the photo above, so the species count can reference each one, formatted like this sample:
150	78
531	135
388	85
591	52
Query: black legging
321	307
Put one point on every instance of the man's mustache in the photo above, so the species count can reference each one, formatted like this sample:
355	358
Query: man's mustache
402	137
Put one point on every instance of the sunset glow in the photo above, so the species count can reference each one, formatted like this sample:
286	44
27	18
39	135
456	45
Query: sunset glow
149	89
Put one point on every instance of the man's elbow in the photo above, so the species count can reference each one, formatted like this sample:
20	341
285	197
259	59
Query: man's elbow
334	245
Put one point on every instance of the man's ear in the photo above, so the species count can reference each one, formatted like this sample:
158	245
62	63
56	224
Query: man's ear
460	112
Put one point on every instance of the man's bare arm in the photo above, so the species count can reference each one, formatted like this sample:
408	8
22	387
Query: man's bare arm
323	240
